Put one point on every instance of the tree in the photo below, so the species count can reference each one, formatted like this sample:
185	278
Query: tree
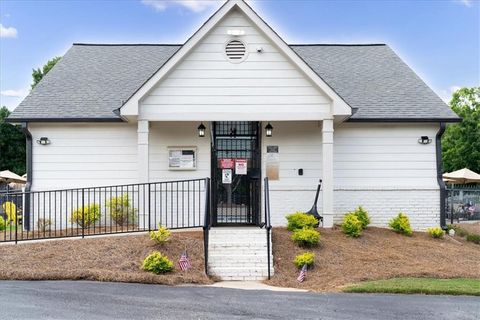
38	74
461	141
12	145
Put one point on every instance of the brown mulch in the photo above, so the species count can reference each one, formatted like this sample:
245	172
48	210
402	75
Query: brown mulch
470	227
377	254
115	258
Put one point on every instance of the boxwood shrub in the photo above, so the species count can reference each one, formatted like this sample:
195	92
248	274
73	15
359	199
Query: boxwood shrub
300	220
307	258
84	217
435	232
362	216
401	224
161	236
3	226
351	225
306	237
157	263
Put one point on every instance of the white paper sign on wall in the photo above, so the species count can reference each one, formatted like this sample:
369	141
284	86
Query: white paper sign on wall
227	176
241	166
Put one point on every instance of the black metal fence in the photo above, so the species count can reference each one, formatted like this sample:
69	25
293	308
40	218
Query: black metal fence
462	203
102	210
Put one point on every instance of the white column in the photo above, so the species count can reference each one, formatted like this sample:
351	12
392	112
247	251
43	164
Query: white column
327	172
143	158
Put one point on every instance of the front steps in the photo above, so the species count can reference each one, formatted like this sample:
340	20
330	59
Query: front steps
238	253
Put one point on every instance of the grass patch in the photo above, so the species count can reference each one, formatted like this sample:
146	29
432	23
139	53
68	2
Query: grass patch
459	286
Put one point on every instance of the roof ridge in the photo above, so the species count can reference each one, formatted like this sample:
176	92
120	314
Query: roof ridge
338	44
126	44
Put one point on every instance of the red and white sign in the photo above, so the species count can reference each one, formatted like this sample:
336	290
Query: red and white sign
226	163
241	166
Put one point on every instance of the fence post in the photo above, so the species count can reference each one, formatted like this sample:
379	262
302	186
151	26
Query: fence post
83	213
149	208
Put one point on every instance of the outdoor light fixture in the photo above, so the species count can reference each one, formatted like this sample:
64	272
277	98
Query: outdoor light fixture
201	130
43	141
236	32
424	140
268	130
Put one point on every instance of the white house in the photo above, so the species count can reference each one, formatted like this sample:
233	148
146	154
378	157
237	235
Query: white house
355	116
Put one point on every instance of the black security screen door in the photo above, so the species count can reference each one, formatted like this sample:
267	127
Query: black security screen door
236	172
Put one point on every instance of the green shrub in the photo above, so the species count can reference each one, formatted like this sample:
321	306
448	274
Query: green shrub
300	220
89	216
435	232
475	238
3	226
401	224
307	258
306	237
161	236
121	210
351	225
157	263
460	231
362	216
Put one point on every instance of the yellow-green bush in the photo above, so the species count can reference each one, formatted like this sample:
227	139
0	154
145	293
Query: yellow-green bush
306	237
157	263
401	224
121	210
84	217
300	220
435	232
307	258
351	225
161	236
3	226
362	216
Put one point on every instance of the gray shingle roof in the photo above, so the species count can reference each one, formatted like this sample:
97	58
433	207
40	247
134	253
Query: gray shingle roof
91	81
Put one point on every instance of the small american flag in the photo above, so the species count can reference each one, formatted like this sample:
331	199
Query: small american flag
303	274
184	263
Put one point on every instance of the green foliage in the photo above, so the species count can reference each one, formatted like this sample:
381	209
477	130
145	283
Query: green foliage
475	238
362	216
157	263
436	232
12	145
299	220
460	231
306	237
121	210
38	74
84	217
461	141
401	224
307	258
352	226
3	226
161	236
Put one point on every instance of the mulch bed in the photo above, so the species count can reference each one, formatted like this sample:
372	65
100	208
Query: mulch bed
470	227
377	254
114	258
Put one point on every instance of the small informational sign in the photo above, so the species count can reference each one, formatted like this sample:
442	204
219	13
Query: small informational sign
227	176
182	158
273	163
241	166
226	163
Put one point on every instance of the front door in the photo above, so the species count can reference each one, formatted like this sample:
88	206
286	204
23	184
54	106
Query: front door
236	173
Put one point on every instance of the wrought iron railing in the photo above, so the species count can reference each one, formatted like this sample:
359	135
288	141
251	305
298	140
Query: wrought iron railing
91	211
462	202
207	223
268	224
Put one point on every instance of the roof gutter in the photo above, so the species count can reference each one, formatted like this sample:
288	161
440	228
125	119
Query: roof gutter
441	183
28	185
26	120
441	120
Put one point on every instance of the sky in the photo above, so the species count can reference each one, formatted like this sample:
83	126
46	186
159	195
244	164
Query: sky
439	39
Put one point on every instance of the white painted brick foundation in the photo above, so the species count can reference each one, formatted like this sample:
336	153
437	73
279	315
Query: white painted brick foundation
238	253
421	206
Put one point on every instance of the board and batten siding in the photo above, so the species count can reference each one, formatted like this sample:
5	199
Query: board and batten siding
84	154
206	86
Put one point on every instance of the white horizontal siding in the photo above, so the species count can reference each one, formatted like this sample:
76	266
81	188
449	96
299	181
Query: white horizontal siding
206	86
82	155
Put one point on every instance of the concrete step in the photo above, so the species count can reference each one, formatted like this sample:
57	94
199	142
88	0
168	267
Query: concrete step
239	258
240	273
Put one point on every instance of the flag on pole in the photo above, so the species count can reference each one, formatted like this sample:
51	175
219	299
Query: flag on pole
303	274
184	263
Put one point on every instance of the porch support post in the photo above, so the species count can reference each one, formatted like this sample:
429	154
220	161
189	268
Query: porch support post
143	157
327	172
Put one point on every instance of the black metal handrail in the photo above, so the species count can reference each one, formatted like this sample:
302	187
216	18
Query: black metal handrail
103	210
268	224
207	224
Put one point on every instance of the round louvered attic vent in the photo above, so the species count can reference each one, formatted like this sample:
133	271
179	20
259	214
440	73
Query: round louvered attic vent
235	51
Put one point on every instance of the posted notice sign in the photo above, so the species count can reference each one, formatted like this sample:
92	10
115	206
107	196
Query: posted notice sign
241	166
227	176
226	163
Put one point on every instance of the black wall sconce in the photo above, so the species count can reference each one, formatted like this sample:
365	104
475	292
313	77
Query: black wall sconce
201	130
43	141
424	140
268	130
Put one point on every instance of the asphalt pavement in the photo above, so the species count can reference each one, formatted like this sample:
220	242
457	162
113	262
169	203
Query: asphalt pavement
96	300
